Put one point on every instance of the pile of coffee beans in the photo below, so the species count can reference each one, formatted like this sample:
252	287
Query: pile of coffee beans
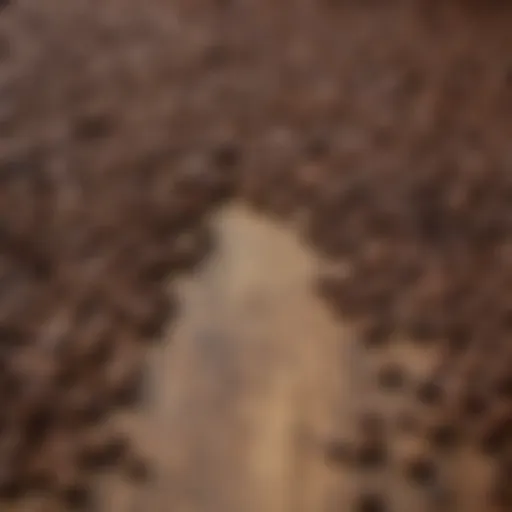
95	214
81	298
383	128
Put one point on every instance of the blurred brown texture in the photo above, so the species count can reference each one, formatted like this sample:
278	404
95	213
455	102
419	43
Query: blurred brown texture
379	130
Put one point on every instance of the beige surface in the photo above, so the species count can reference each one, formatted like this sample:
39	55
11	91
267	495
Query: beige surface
252	380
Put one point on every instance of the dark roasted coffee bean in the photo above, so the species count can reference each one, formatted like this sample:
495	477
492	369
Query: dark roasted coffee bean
370	502
391	377
496	434
430	393
226	155
377	333
109	453
474	405
443	436
371	454
77	497
421	471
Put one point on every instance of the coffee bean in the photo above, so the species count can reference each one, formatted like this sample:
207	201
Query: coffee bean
370	502
391	377
77	497
371	454
430	393
421	471
443	436
227	155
